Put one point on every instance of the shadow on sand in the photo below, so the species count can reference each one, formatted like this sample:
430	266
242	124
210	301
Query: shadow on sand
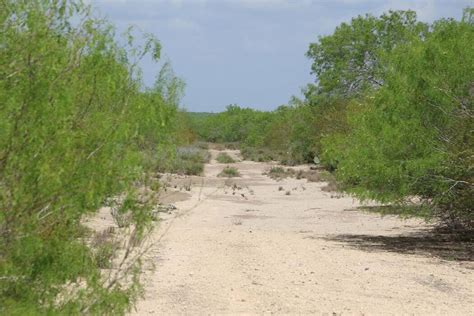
434	243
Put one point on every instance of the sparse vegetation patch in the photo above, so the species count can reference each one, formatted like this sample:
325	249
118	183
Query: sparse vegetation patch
279	173
187	160
229	172
224	158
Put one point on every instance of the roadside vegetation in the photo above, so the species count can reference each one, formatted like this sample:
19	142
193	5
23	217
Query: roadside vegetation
390	114
79	131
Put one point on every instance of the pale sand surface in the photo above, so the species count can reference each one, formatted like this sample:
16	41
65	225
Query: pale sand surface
256	250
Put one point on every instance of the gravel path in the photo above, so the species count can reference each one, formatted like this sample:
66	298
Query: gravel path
246	246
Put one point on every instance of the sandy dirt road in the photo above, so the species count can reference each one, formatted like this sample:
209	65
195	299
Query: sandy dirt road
243	246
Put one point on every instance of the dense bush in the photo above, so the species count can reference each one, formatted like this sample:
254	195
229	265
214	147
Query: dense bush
347	63
76	129
409	133
414	135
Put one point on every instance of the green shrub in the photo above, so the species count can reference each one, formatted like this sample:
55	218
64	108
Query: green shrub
229	172
76	129
224	158
413	136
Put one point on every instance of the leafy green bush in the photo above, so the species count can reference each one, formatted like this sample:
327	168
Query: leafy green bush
229	172
347	62
224	158
413	136
76	128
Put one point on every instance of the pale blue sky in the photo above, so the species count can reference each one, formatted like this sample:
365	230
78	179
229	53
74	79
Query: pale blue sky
248	52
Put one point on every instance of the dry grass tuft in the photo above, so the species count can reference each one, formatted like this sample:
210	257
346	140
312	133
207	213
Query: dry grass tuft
229	172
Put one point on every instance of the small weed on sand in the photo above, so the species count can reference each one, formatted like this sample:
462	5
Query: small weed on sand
279	173
237	221
224	158
229	172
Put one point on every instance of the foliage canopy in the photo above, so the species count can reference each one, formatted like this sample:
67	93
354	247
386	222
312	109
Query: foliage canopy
76	129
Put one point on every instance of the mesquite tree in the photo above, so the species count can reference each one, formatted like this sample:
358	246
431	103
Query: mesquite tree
76	126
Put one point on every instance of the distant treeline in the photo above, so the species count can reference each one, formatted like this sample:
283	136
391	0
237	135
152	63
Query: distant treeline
390	112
